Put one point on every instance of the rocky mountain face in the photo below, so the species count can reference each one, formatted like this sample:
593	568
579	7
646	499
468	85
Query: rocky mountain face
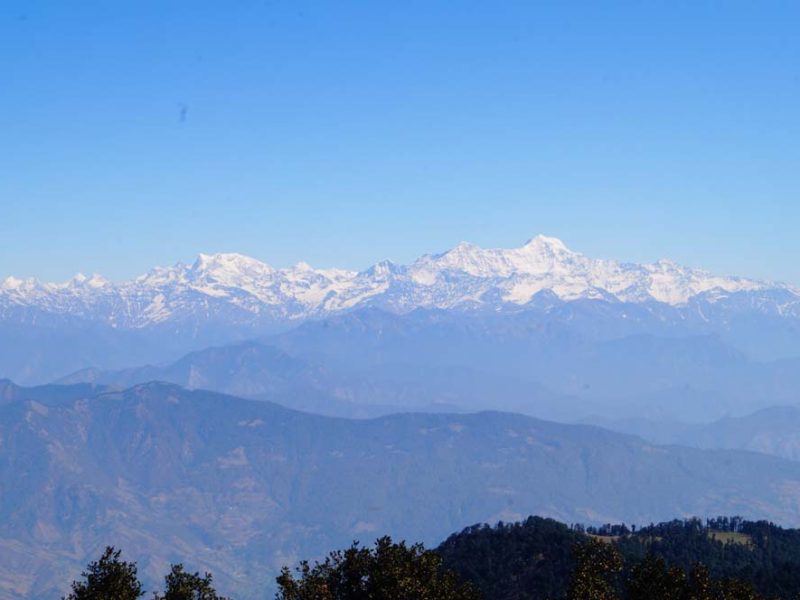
242	487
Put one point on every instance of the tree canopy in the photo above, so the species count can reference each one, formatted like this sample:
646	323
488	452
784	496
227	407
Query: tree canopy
388	571
109	578
181	585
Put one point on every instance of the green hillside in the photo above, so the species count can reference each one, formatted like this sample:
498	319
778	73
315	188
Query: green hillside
534	559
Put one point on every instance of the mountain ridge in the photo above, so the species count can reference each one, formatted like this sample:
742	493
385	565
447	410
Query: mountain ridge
465	277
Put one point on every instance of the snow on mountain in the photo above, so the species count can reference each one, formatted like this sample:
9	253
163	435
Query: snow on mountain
547	264
240	288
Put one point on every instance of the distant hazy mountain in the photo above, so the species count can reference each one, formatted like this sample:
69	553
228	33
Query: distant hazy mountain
370	362
228	297
241	487
258	371
692	378
263	372
774	430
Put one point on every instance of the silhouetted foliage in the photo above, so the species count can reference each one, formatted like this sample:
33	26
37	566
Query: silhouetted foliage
180	585
109	578
389	571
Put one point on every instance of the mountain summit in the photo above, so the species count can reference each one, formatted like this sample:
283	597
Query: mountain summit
238	288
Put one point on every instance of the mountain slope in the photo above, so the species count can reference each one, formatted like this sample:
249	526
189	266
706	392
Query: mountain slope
242	487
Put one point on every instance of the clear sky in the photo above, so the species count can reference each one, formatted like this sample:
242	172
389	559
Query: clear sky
341	133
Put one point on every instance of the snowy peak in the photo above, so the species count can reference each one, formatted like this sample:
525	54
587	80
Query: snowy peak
383	269
542	244
229	266
12	283
96	281
466	276
539	255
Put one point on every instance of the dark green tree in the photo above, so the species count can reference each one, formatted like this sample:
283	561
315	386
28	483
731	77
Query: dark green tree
732	589
597	564
181	585
389	571
700	584
650	579
109	578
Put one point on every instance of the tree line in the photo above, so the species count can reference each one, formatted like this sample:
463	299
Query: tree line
397	571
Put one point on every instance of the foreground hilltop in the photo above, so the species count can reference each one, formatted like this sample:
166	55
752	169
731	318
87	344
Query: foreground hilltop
533	559
247	486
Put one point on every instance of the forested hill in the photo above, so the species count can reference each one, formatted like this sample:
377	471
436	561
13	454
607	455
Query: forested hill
533	560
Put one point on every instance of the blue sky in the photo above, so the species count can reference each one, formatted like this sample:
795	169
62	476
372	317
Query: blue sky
342	133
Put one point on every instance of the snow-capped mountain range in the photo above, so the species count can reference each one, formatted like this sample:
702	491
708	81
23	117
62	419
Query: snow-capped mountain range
465	277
